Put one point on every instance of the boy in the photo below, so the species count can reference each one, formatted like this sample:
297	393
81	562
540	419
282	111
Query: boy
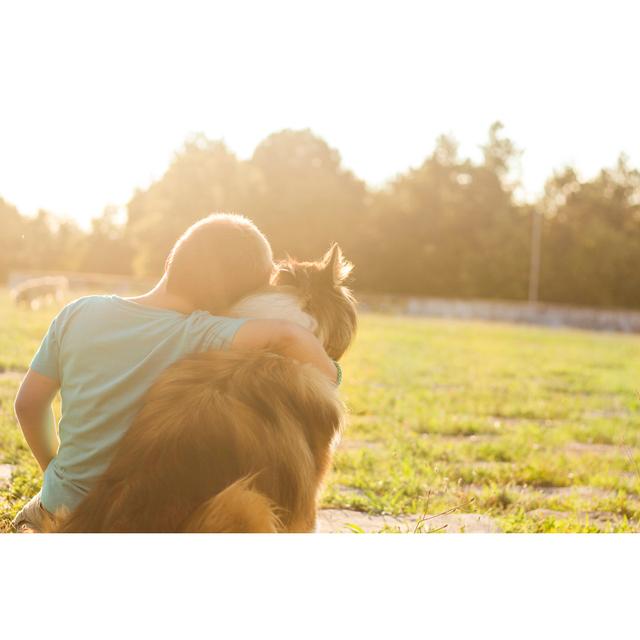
103	352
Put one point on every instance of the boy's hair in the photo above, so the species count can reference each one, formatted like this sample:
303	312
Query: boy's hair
219	260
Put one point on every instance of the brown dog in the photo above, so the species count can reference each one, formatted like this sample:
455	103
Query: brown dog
231	441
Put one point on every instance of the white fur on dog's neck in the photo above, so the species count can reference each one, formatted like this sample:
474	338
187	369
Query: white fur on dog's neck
274	305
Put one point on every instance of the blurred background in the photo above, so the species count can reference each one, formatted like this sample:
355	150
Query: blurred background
455	150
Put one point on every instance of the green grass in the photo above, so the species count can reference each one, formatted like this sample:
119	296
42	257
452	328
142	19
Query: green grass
536	428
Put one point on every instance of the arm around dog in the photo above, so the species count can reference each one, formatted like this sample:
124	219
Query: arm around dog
287	339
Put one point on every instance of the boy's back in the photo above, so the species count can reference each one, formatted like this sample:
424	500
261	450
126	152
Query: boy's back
105	352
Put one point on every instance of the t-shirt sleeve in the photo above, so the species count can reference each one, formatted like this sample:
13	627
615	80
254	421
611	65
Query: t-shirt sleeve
47	358
222	331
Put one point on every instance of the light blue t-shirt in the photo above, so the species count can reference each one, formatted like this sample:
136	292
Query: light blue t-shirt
106	352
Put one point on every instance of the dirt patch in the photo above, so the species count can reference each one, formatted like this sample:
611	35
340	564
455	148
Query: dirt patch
607	413
600	449
365	418
508	421
11	375
600	519
447	387
461	438
358	445
351	491
5	474
581	491
338	521
484	464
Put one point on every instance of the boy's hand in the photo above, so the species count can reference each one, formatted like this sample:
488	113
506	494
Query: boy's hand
35	415
287	339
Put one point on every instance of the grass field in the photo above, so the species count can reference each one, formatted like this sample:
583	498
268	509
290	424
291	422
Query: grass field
537	429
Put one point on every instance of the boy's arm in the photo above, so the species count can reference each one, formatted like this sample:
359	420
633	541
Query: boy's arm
287	339
35	415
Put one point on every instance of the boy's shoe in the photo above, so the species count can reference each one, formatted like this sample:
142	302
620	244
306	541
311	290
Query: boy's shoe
29	519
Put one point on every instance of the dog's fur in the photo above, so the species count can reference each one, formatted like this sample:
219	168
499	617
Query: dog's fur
234	441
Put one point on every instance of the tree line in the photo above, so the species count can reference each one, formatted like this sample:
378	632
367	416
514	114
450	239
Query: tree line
451	227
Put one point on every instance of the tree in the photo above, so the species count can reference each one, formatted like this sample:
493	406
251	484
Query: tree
107	249
307	199
11	238
204	177
450	227
591	238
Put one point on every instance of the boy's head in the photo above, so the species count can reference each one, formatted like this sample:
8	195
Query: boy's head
217	261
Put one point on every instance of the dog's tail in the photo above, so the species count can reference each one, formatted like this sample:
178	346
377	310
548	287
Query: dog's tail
238	509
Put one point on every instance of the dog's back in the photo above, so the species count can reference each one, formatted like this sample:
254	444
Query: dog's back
258	425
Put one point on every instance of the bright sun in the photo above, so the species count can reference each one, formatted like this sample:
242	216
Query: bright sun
96	99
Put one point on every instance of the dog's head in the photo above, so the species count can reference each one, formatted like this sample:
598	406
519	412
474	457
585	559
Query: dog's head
311	294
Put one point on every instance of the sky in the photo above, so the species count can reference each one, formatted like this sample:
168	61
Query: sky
95	98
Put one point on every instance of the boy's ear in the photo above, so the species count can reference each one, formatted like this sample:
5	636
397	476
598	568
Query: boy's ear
334	266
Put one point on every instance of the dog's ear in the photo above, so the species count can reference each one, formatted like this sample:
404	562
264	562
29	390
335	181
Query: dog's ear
334	266
285	272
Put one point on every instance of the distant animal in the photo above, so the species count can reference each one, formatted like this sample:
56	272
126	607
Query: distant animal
36	292
234	441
